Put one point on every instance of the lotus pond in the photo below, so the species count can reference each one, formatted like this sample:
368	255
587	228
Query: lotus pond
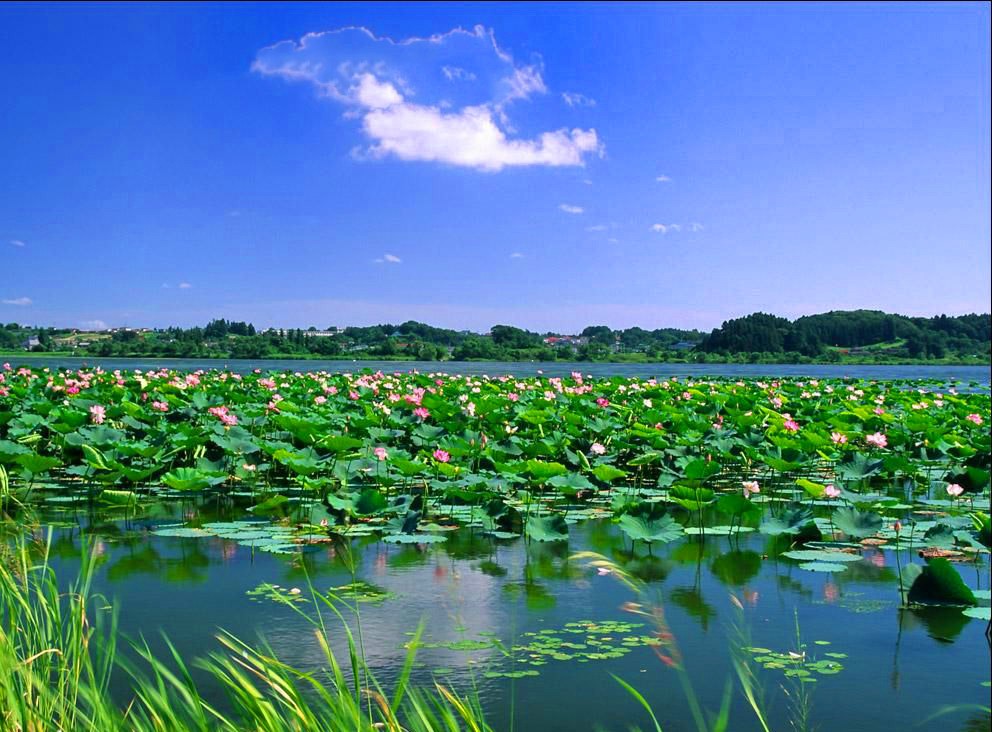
812	553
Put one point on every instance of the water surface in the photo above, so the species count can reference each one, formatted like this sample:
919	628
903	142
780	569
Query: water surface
964	374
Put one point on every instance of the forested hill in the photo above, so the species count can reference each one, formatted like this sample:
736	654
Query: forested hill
854	330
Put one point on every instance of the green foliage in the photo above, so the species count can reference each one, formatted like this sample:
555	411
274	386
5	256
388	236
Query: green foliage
547	528
661	530
940	584
856	523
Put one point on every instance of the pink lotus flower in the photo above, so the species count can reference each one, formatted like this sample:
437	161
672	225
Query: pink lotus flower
597	449
750	486
603	402
228	420
421	412
319	399
877	439
160	406
442	456
838	438
97	414
380	453
791	425
353	395
831	492
897	526
954	490
976	418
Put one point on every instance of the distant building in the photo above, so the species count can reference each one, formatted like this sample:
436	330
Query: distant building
287	332
30	342
684	345
566	340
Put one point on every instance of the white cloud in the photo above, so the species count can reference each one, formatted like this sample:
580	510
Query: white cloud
587	181
516	255
17	242
185	286
573	99
92	325
663	179
20	301
469	138
612	240
387	259
597	227
375	94
456	73
665	228
408	112
165	285
571	209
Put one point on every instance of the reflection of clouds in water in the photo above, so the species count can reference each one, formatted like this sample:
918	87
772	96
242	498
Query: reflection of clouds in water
453	599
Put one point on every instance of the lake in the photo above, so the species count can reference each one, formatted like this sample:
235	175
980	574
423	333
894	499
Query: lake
824	535
899	666
963	374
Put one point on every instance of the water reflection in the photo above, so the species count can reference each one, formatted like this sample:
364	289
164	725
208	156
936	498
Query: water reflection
471	591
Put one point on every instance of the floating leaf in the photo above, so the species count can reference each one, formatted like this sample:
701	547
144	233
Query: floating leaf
823	567
820	555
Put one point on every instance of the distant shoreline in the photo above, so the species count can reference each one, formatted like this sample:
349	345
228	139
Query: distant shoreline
13	355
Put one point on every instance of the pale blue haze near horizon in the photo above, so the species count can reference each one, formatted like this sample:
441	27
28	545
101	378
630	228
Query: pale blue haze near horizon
653	165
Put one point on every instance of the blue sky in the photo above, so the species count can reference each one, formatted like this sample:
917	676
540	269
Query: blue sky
548	166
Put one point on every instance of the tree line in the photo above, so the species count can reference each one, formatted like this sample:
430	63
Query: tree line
854	331
833	336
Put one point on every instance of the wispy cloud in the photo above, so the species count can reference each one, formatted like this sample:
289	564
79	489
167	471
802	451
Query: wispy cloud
388	259
456	73
466	125
185	286
17	242
597	227
665	228
571	209
573	99
613	240
92	325
19	301
663	179
516	255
